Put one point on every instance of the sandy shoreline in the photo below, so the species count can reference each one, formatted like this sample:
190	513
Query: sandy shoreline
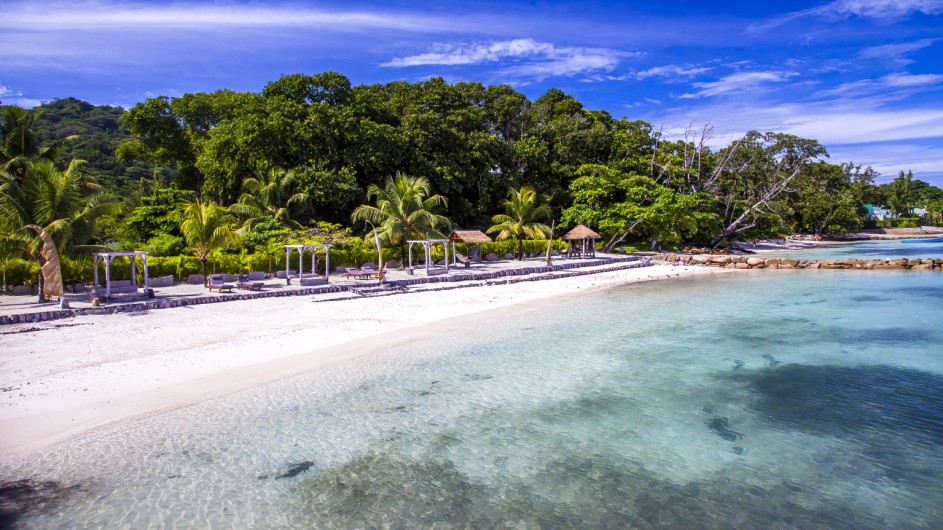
72	376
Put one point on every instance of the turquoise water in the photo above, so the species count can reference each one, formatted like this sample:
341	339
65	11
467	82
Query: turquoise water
874	249
797	399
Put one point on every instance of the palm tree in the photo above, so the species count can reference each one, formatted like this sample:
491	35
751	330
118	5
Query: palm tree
403	211
64	204
19	145
269	194
520	219
207	227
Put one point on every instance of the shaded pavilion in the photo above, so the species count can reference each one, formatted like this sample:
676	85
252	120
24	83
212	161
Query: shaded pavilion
427	244
468	237
108	257
582	242
313	276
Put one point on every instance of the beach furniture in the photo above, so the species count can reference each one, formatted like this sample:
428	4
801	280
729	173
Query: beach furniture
354	272
245	282
216	282
370	270
463	260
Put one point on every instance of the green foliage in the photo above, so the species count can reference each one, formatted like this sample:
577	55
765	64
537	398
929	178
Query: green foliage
633	207
96	132
19	271
165	245
207	228
159	214
522	219
404	211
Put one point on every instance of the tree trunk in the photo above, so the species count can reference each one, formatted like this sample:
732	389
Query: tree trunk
40	283
203	270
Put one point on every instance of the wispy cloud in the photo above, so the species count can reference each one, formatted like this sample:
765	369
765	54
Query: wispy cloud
906	84
86	16
15	97
737	82
888	10
527	57
672	71
878	8
895	54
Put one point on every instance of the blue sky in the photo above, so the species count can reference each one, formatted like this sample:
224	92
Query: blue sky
864	77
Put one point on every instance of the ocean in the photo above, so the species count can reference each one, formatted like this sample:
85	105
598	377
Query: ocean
756	399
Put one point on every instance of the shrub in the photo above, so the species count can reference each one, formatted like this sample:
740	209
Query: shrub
20	271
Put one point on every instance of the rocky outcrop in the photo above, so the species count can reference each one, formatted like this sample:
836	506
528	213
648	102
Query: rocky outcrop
756	262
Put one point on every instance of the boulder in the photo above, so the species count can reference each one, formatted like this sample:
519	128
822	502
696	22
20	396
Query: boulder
720	260
753	262
700	258
742	265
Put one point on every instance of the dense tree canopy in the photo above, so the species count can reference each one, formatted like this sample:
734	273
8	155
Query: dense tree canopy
338	147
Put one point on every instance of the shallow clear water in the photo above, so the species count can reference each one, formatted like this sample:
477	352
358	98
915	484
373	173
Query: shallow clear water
874	249
799	399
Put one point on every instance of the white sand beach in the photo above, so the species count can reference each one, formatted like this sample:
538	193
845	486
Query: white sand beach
65	377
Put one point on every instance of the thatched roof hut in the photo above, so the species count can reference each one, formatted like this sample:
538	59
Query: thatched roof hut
469	236
582	242
581	232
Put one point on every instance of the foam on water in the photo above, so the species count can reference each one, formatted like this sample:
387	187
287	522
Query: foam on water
804	399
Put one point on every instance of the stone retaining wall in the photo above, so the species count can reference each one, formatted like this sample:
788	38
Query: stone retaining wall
560	270
757	262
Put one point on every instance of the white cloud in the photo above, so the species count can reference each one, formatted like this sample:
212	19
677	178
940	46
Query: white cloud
886	10
911	80
452	54
737	82
869	133
15	97
91	15
879	8
896	54
889	87
527	57
672	70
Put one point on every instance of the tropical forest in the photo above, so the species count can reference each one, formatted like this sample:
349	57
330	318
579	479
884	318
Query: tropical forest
222	181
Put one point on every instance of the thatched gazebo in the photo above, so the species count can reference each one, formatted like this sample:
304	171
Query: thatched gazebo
582	242
468	237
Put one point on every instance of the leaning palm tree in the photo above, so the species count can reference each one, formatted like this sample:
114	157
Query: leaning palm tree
207	227
403	211
63	204
520	219
269	194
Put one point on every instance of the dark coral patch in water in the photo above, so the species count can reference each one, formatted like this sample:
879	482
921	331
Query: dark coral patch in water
24	496
846	400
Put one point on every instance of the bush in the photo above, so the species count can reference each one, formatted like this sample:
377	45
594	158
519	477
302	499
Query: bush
165	245
20	271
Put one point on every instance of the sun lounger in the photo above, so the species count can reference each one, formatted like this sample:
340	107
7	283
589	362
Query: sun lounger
354	272
245	283
369	270
216	282
463	260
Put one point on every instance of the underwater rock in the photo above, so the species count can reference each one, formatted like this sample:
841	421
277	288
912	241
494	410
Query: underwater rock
720	426
296	470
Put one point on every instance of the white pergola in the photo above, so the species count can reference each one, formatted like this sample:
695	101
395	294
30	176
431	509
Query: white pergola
428	244
109	257
301	249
